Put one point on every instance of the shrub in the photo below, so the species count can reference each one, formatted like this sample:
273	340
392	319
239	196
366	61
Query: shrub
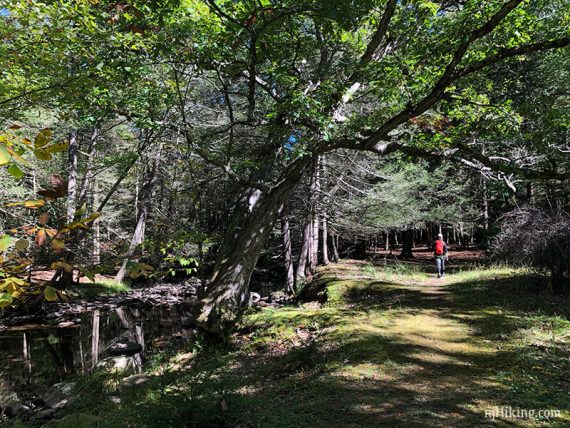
537	239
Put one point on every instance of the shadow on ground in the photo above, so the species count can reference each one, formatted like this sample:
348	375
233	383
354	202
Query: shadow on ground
429	354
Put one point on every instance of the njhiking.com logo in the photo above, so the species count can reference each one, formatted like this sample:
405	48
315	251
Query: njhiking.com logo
507	412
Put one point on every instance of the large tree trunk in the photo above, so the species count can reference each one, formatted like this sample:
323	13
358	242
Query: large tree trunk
407	244
336	257
229	290
304	255
287	253
96	241
325	247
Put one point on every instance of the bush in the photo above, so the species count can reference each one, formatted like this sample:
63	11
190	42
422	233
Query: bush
537	239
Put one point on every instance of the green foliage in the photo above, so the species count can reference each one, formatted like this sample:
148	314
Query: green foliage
30	240
412	195
179	255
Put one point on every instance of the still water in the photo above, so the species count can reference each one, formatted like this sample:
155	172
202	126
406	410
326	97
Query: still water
33	357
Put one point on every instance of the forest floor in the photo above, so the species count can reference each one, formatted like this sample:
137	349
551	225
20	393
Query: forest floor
387	345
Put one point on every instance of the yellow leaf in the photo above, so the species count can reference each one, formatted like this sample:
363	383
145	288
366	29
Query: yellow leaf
35	204
92	217
51	232
5	242
4	155
144	266
17	156
18	281
50	294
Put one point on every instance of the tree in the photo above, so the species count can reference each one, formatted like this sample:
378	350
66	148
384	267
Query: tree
345	77
393	77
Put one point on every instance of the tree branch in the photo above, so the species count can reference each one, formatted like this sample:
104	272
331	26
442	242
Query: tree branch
503	54
443	82
380	33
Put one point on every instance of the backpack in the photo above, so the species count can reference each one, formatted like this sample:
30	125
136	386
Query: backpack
439	247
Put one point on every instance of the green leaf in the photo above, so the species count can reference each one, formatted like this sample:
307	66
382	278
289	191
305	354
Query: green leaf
5	242
42	155
58	245
62	265
81	211
22	244
50	294
43	137
57	147
5	299
4	156
86	272
15	171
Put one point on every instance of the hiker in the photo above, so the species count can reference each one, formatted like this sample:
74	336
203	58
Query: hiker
440	253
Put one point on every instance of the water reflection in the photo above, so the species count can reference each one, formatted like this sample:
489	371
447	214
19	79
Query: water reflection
33	357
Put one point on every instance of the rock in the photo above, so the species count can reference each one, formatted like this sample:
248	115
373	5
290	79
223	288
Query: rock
278	296
119	363
15	408
58	395
124	348
133	383
44	415
254	297
188	321
114	399
75	420
65	324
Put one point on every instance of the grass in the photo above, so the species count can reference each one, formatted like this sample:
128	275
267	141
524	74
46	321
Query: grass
388	347
103	287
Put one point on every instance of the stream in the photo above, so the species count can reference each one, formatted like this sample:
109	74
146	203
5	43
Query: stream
78	337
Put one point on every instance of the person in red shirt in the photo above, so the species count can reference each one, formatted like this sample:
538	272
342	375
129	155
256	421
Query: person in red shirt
440	254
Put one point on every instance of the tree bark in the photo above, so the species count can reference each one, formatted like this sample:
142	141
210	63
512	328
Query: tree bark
304	255
139	233
407	244
89	173
315	193
287	252
229	290
334	241
72	176
96	240
325	245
